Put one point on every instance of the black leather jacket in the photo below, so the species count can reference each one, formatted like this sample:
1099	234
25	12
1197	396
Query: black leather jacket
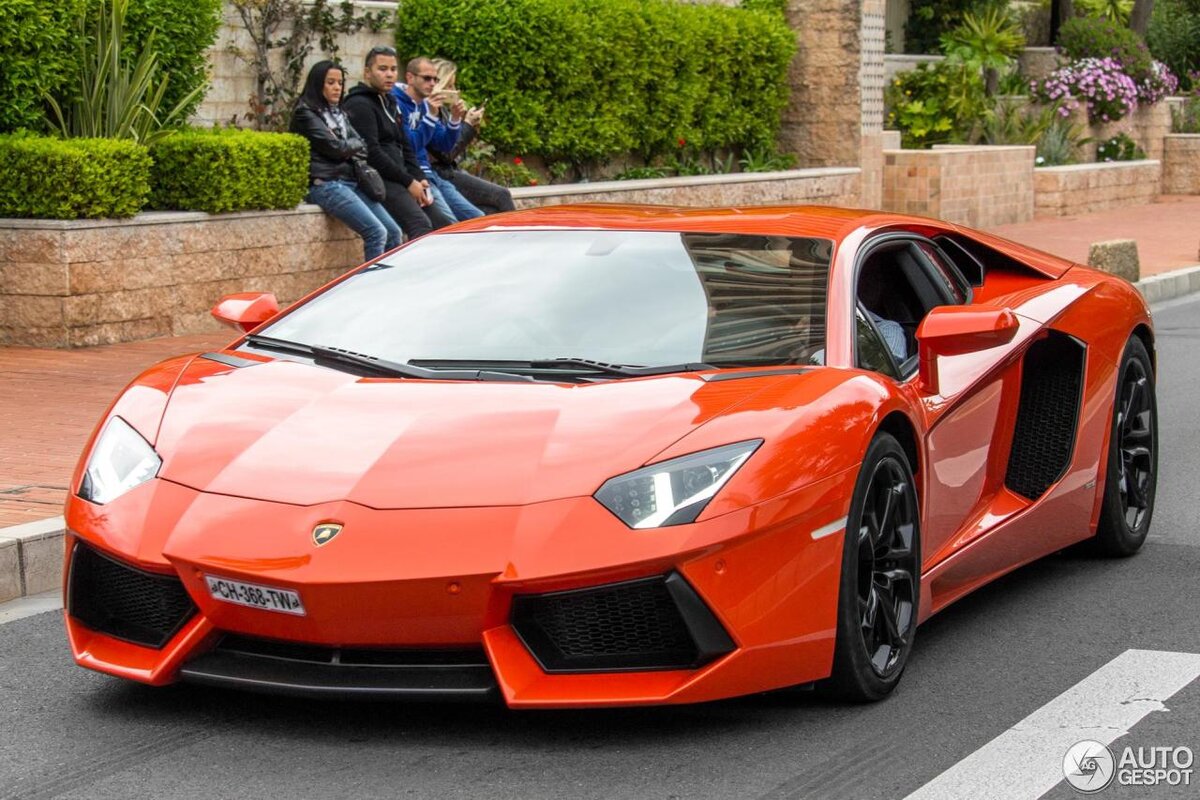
329	154
383	127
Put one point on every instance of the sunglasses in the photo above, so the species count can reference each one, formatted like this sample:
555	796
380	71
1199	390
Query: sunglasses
428	77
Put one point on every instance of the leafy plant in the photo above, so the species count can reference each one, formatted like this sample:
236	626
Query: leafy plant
1013	122
1174	37
37	40
117	99
183	32
938	103
1085	37
45	177
929	19
989	40
599	79
641	173
1186	118
510	173
766	159
1112	10
1119	148
1059	143
227	169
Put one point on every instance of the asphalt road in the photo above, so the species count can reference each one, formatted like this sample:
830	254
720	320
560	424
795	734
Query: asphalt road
978	669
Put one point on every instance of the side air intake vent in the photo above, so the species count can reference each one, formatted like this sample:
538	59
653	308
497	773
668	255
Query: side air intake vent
126	603
1048	416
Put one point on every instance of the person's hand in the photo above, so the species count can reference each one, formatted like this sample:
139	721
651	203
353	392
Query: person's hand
420	192
459	109
474	117
435	104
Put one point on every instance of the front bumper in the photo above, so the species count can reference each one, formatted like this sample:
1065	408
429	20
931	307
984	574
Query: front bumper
758	596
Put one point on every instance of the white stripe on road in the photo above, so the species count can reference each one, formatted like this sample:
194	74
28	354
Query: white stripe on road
1025	762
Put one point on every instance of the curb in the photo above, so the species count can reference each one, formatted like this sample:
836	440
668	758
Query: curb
31	558
31	555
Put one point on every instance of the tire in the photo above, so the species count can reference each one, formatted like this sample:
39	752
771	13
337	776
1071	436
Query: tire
880	583
1131	477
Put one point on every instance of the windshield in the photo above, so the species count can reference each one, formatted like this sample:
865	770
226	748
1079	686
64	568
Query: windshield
642	298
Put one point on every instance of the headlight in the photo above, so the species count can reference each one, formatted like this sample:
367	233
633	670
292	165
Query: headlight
121	460
673	492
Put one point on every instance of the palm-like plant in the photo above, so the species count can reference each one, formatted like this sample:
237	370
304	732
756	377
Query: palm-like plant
987	41
116	99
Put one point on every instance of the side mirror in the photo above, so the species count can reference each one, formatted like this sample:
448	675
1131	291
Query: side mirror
956	330
245	311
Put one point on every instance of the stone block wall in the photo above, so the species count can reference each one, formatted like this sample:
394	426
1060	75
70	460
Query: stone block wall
1084	188
1147	126
977	186
1181	163
81	283
830	187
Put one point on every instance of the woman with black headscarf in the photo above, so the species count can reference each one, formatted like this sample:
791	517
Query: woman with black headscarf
333	147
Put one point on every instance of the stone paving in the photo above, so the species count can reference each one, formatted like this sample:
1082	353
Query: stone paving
51	399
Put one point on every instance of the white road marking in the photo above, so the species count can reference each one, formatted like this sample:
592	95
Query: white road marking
830	529
28	606
1025	762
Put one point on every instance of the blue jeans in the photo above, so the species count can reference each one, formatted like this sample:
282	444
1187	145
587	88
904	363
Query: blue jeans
463	208
343	200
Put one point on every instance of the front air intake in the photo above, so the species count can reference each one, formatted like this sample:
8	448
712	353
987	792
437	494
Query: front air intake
123	602
648	624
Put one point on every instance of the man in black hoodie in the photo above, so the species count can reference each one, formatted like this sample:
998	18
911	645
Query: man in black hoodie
374	114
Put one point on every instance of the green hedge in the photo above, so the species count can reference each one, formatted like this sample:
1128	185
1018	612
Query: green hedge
229	170
37	40
581	80
72	178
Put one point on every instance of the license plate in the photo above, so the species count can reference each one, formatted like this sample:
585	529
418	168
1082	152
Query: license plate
255	596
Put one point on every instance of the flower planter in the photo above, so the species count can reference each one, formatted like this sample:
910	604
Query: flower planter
1084	188
1181	163
980	186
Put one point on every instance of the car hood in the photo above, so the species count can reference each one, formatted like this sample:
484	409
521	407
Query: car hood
296	433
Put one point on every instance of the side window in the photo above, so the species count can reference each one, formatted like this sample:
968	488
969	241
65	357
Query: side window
896	289
871	351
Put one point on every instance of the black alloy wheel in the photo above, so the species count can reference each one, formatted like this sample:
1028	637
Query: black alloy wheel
880	587
1131	480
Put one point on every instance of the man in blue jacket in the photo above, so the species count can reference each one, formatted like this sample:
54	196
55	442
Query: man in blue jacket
422	110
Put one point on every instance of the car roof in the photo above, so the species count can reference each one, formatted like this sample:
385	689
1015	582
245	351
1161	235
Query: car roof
813	221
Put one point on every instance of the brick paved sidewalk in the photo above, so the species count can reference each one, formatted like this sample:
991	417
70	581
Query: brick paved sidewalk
50	399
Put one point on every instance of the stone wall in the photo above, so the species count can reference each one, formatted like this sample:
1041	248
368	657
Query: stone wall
977	186
233	77
829	186
1181	164
1084	188
81	283
1147	126
88	282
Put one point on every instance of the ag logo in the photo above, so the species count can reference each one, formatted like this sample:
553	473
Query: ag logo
324	533
1089	766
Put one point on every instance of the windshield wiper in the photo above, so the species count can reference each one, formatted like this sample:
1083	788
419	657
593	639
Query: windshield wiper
558	366
372	364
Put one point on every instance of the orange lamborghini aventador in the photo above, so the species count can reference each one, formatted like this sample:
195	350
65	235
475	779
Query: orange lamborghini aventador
612	455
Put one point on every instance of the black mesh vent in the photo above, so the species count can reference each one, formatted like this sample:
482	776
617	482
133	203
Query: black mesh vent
126	603
1048	417
622	626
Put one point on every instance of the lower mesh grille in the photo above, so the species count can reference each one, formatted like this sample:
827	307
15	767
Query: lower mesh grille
126	603
653	623
1048	415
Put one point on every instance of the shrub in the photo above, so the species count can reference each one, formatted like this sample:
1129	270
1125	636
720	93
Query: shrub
36	39
937	103
1174	36
580	81
229	170
1119	148
1159	84
1059	144
186	29
1100	84
929	19
1086	37
72	178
